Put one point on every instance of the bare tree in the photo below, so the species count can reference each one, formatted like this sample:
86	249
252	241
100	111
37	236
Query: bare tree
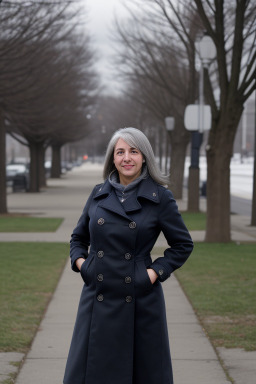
158	104
109	114
158	56
232	27
20	22
57	113
47	78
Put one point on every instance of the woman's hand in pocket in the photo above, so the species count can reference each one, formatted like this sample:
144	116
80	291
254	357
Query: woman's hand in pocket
152	275
79	262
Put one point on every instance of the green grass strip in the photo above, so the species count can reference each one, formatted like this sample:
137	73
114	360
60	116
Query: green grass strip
29	273
29	224
194	221
220	281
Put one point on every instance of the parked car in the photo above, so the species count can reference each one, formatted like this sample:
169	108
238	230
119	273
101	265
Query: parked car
17	176
66	165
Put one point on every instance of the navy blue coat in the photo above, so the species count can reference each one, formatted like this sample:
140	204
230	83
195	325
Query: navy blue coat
120	335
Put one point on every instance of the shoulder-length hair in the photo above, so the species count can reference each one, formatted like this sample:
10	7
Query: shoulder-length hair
136	139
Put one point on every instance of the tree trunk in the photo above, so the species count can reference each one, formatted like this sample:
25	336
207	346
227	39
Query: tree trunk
3	199
218	197
219	154
42	177
253	216
56	161
178	155
34	149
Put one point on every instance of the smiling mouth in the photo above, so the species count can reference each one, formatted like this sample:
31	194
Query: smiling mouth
127	166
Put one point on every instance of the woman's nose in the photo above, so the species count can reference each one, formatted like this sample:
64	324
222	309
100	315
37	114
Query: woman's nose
126	156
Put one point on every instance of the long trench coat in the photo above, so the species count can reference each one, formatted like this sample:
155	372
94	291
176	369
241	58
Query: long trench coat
120	335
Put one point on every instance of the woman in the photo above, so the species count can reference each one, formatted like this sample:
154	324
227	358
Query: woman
120	335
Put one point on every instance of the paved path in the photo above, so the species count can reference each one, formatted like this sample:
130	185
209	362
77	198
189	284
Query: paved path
194	359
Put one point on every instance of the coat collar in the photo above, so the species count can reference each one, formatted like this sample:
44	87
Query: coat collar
147	189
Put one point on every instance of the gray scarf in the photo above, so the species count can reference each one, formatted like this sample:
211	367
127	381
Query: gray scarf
125	191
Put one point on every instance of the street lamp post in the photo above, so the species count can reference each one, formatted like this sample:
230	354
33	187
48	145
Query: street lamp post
197	120
169	125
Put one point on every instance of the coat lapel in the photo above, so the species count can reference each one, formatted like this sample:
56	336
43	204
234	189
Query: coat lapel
109	199
113	204
147	189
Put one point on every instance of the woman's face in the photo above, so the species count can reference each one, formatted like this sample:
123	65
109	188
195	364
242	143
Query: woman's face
128	162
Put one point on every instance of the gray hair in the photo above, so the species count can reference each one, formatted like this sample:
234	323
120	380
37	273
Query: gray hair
136	139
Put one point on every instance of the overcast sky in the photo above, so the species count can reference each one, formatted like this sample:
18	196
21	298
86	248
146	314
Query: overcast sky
101	17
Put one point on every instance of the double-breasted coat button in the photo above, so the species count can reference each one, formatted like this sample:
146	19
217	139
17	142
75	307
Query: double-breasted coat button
160	272
100	297
100	277
132	225
101	221
128	299
154	194
128	279
128	256
100	254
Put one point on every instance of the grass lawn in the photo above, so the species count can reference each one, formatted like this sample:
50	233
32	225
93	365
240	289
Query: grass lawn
29	273
28	224
220	282
194	221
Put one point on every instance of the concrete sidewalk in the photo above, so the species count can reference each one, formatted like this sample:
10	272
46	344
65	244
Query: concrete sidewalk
194	359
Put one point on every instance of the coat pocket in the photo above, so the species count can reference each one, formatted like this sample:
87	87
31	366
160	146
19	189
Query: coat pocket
142	281
87	270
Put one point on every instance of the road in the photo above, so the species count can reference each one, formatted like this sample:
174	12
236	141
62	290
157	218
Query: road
241	206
